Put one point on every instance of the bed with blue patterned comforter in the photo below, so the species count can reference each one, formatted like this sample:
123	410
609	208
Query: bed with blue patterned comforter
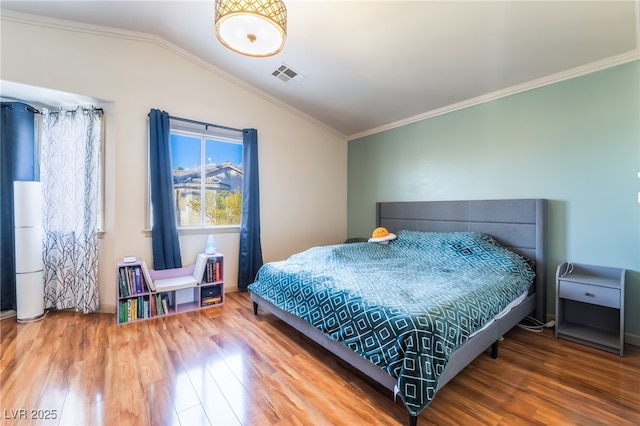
405	306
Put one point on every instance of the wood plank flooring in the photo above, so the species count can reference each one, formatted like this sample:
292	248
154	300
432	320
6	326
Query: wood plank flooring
226	366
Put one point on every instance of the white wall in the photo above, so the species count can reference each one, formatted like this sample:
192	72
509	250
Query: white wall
303	166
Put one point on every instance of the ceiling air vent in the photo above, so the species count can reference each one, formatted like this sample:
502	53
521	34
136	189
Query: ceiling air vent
286	74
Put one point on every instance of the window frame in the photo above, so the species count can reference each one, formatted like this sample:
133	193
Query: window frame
205	132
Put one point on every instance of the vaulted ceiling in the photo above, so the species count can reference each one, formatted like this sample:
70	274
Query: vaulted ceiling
364	66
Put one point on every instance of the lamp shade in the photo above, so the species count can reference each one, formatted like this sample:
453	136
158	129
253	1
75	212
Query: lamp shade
251	28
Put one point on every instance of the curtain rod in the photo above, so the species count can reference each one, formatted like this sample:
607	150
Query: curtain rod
206	125
9	104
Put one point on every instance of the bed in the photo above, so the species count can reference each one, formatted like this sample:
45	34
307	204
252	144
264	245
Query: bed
350	313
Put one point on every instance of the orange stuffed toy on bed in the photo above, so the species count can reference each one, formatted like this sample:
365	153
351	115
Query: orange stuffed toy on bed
381	235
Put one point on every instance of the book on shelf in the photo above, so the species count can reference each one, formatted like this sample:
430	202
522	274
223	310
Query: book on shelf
153	310
134	309
147	276
142	311
123	311
161	309
211	301
200	267
130	281
122	281
207	273
213	272
137	277
165	303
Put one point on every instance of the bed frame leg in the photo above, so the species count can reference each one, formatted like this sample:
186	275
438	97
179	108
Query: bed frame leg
255	308
413	420
494	350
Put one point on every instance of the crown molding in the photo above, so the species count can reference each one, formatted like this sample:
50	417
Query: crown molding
632	55
43	21
613	61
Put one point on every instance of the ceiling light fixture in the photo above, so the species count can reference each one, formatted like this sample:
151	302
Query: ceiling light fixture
252	28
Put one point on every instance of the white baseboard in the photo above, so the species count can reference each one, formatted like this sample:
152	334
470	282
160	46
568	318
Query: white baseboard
632	339
7	314
107	309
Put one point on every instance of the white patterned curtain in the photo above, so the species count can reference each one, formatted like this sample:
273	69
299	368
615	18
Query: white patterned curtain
70	176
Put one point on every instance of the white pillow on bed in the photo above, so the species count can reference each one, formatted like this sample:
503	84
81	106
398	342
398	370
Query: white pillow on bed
383	240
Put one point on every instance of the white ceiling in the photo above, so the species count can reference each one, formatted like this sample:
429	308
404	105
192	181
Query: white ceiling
370	65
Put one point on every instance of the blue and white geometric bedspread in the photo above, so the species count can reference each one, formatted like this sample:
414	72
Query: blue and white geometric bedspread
405	306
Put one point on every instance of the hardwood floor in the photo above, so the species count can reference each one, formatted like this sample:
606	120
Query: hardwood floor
226	366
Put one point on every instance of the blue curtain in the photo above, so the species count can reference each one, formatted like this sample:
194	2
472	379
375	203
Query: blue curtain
18	161
250	257
164	232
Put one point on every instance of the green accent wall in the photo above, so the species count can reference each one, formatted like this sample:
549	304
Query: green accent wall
575	143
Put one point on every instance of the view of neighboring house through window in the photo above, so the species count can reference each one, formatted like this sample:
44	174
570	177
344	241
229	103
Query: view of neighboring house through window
207	175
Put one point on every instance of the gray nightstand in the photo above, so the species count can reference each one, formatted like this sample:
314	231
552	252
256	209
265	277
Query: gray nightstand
590	305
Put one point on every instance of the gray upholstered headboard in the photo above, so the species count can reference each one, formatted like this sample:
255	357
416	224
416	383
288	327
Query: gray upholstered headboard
516	224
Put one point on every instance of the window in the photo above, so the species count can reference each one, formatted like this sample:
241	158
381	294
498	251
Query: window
206	163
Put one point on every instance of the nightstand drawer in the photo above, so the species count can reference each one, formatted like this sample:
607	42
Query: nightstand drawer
593	294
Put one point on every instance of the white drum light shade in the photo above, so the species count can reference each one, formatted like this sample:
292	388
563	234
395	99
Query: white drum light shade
252	28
